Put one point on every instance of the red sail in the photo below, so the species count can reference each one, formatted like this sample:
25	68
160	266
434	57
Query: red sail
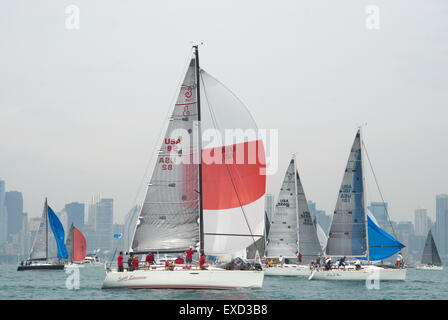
79	245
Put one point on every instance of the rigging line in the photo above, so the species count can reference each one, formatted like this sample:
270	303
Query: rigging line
163	129
210	107
379	190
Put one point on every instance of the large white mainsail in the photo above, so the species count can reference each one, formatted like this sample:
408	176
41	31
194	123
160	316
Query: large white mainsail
168	220
347	236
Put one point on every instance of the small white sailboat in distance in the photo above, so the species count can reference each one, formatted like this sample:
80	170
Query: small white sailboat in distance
292	230
430	257
353	234
215	204
39	258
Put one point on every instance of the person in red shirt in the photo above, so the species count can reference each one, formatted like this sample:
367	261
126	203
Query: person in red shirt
169	265
135	263
202	264
150	258
299	258
179	260
120	262
189	257
266	262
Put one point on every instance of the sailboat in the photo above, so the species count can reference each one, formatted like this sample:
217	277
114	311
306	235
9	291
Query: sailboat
38	258
76	245
213	203
430	257
292	229
354	234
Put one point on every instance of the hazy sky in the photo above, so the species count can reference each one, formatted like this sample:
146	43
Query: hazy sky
81	110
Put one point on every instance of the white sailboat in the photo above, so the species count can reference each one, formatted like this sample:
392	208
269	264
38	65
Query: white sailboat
430	257
353	234
39	258
214	204
292	229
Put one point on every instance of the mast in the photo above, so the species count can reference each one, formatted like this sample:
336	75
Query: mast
364	195
46	229
297	201
198	97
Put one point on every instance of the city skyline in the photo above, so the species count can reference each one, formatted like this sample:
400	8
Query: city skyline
83	117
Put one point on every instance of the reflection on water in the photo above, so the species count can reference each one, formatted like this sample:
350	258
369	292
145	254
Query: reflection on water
420	284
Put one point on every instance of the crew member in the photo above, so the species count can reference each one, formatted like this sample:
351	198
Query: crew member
120	262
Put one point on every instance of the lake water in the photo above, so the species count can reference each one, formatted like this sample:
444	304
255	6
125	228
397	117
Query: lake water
51	285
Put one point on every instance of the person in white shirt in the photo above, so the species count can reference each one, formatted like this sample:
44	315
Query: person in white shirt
280	260
398	263
357	264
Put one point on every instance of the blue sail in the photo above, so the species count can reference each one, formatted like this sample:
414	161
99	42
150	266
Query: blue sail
381	244
59	234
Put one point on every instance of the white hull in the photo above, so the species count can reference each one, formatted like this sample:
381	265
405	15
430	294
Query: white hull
438	268
213	278
366	273
288	270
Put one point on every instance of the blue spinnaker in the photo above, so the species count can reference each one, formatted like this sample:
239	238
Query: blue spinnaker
58	232
381	244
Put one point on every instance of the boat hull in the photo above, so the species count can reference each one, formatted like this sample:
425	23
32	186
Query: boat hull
41	267
435	268
184	279
366	273
288	270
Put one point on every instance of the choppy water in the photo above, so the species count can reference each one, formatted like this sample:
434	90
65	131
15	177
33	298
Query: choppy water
420	284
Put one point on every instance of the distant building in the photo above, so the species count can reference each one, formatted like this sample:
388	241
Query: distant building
379	211
3	215
104	224
320	216
405	232
421	222
75	215
442	223
14	208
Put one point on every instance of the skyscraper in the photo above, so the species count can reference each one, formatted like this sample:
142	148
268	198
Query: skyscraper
442	223
75	215
421	222
320	216
379	211
3	215
14	208
104	224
